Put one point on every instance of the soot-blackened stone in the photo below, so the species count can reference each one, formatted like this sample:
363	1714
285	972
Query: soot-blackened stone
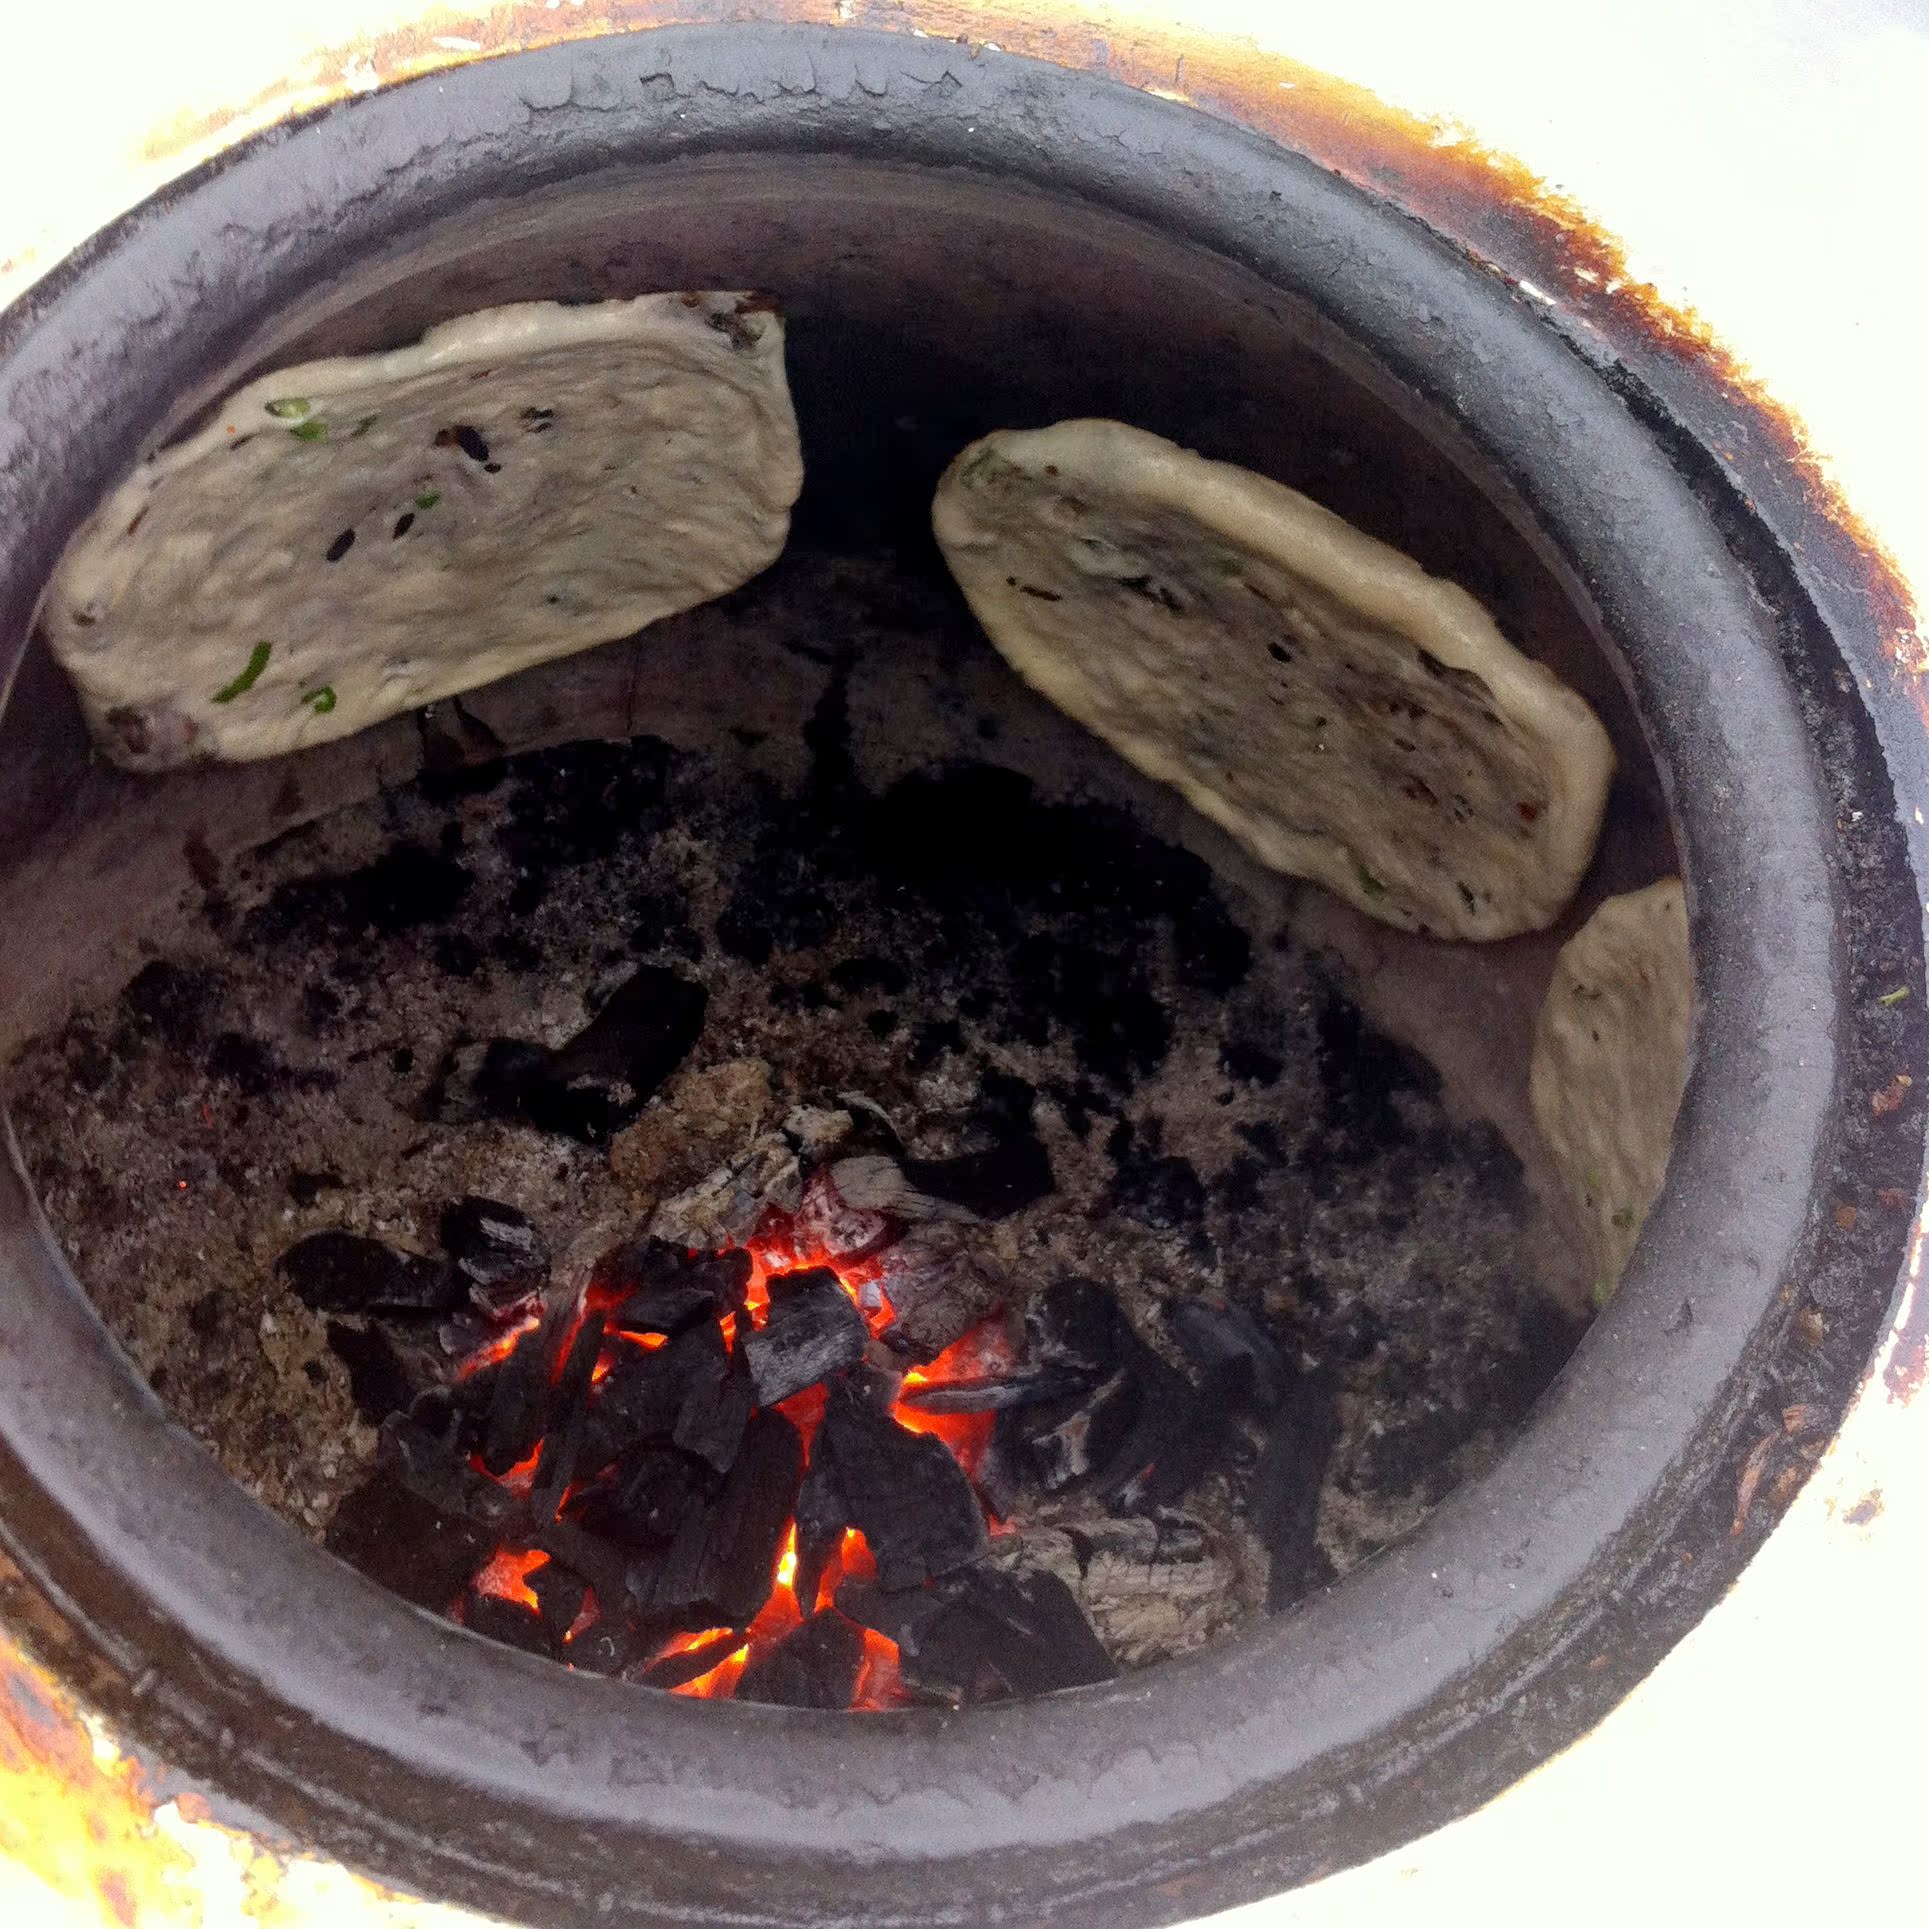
346	1272
810	1333
816	1665
905	1492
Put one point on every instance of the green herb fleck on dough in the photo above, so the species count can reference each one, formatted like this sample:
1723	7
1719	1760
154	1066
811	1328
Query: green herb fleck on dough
257	662
1894	997
1622	1217
362	427
1370	884
1227	566
430	500
321	700
310	431
291	408
1602	1292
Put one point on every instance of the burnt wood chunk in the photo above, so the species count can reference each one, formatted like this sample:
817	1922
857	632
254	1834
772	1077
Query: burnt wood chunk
435	1470
822	1517
717	1403
1061	1443
1237	1361
1284	1497
827	1222
940	1284
494	1245
568	1408
560	1596
408	1544
815	1665
606	1647
600	1564
809	1333
513	1623
384	1377
673	1670
519	1407
593	1085
643	1393
992	1184
648	1495
994	1393
720	1568
906	1493
1077	1323
345	1272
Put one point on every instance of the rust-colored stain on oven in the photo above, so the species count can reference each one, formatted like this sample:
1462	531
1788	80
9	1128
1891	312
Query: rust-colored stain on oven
87	1819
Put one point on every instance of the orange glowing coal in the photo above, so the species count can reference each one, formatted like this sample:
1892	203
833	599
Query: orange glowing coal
980	1354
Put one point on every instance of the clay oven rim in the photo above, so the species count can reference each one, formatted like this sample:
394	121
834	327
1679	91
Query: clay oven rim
401	1744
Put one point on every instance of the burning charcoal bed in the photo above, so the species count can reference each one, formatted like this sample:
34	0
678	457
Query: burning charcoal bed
858	1203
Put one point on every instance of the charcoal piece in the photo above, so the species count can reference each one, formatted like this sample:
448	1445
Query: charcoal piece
567	1421
1238	1363
992	1184
799	1279
808	1334
1174	1438
519	1407
821	1517
438	1472
644	1392
345	1272
606	1647
720	1568
900	1618
560	1595
648	1495
995	1392
673	1670
1065	1442
594	1084
905	1492
669	1289
717	1403
940	1283
815	1665
493	1244
383	1376
1036	1638
408	1544
457	1411
600	1564
1077	1323
1283	1502
826	1222
513	1623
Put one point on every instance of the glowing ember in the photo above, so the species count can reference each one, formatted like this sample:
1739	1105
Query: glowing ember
773	1253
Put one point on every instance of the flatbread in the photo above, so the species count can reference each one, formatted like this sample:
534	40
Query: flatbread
1344	715
352	538
1610	1058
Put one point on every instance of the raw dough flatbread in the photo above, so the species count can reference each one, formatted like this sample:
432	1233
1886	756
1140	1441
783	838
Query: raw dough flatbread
352	538
1610	1058
1344	715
